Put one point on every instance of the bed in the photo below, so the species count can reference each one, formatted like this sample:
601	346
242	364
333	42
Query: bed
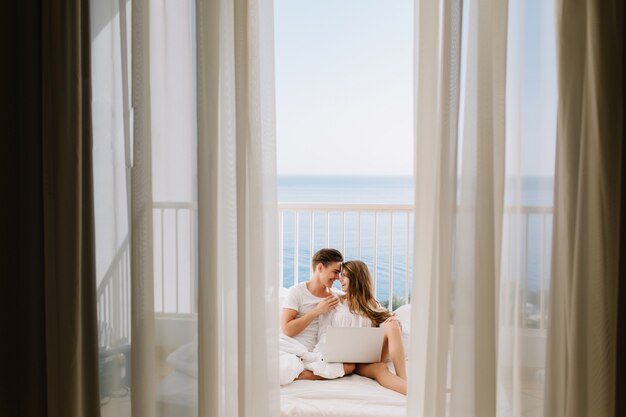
353	395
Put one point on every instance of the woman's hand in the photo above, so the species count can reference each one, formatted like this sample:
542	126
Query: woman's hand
327	304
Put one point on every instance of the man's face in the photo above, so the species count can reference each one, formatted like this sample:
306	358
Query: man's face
330	273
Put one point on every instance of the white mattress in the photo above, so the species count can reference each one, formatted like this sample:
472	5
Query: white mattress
349	396
353	395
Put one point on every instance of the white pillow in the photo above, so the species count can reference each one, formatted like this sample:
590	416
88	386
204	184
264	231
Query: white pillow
185	359
403	314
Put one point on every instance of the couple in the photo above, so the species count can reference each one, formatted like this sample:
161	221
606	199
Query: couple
311	306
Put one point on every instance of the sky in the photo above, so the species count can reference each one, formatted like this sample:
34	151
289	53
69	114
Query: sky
344	86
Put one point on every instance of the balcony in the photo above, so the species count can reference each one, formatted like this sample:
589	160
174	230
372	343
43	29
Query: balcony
381	235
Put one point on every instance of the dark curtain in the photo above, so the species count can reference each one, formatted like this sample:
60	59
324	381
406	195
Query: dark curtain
47	287
620	394
583	344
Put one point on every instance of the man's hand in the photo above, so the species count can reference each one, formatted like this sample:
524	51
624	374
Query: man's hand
327	304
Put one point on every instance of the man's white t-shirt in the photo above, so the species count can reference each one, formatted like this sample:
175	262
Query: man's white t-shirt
299	298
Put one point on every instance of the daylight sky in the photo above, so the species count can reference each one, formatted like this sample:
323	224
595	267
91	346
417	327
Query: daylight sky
344	87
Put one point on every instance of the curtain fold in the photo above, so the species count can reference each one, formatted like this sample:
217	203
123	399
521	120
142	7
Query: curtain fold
71	341
479	217
435	179
22	284
143	369
459	194
583	320
237	275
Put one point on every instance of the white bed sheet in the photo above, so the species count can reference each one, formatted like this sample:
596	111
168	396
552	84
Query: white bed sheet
350	396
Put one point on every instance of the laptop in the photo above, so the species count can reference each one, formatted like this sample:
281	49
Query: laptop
353	344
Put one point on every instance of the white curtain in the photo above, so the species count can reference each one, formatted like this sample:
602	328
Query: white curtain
109	150
237	229
479	143
194	172
112	156
214	235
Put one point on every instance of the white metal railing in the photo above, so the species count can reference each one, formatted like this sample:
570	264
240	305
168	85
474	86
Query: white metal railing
518	218
393	214
175	260
113	300
303	228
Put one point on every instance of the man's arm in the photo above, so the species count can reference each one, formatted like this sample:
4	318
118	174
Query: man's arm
292	326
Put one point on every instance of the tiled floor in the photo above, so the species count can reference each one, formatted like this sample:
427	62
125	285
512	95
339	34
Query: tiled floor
118	403
116	407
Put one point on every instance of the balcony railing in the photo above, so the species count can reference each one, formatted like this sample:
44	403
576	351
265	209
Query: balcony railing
113	300
381	235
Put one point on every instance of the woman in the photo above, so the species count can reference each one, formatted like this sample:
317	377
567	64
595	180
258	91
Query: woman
359	308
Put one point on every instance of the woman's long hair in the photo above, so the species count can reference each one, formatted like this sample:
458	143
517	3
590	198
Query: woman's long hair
360	293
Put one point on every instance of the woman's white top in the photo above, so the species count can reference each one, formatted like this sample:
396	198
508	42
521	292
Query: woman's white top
340	316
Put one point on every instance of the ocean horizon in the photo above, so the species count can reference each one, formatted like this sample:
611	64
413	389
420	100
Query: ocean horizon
536	191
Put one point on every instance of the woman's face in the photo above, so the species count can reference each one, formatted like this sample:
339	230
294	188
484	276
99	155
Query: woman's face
344	280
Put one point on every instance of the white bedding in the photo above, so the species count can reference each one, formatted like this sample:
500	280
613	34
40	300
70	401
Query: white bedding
352	395
344	397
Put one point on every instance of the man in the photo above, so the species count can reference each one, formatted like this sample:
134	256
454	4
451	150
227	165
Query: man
308	300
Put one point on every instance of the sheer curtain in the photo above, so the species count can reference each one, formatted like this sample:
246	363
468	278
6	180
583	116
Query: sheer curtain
237	233
485	130
185	207
111	43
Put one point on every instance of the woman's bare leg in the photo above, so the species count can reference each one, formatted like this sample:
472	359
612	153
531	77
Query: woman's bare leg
348	368
308	375
394	347
379	372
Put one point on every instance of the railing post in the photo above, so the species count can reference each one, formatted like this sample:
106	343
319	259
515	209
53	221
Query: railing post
390	261
296	225
162	212
375	251
406	283
343	233
311	232
358	235
281	225
327	228
176	256
542	306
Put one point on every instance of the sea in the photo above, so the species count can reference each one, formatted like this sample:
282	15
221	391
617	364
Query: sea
528	262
